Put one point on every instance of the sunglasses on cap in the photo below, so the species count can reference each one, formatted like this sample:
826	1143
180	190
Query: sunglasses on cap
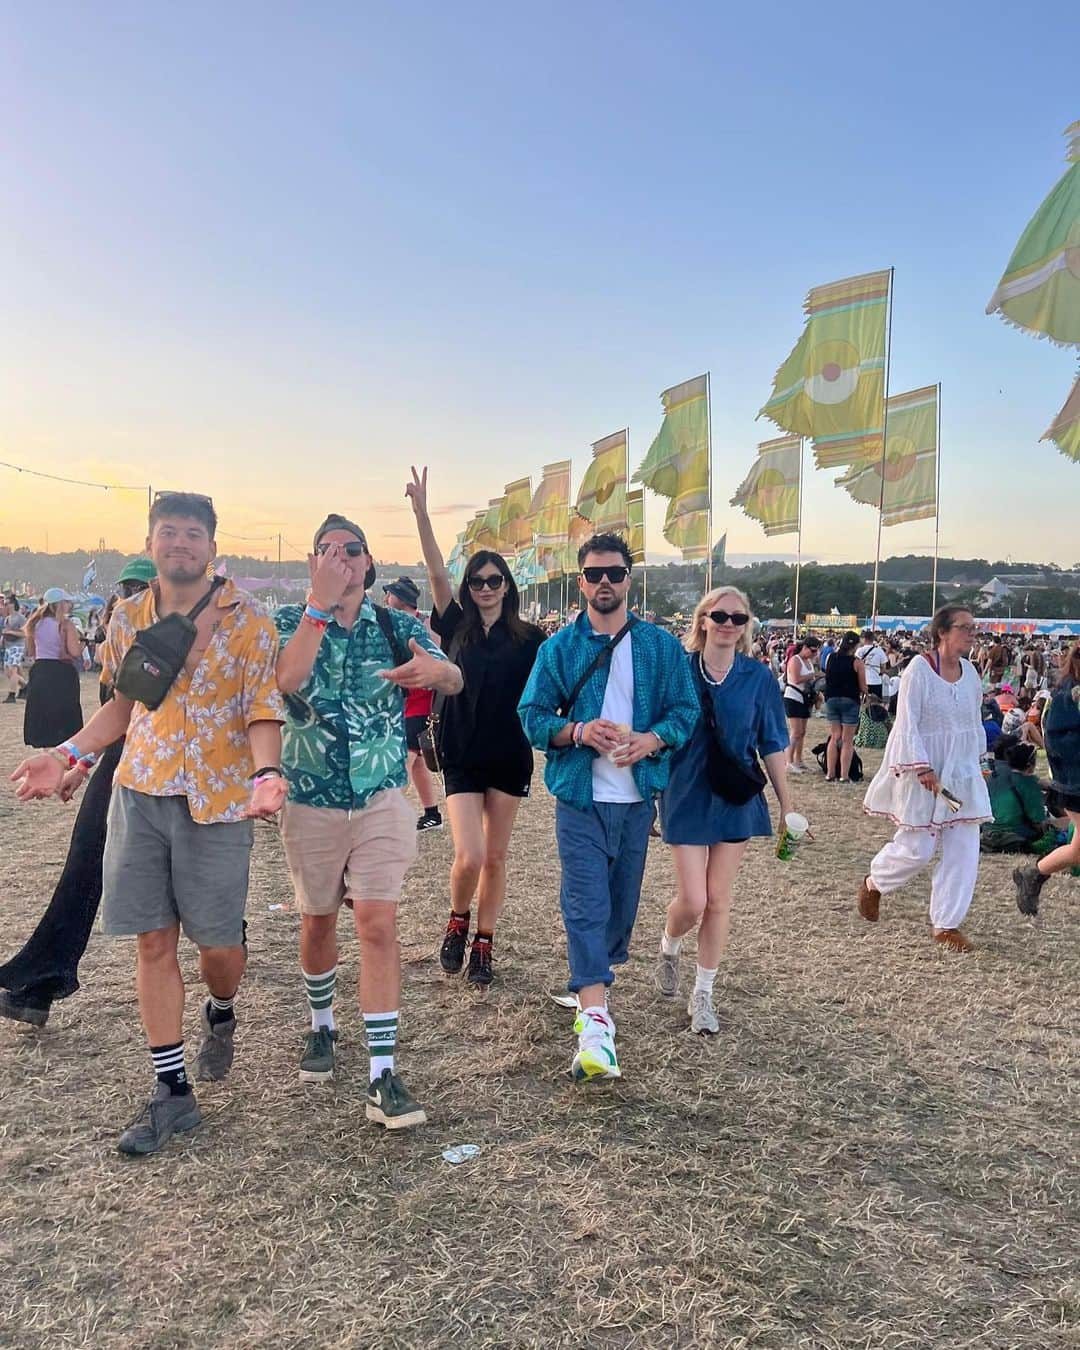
492	581
353	550
176	492
720	616
593	575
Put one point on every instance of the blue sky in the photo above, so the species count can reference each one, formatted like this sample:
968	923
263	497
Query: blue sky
280	252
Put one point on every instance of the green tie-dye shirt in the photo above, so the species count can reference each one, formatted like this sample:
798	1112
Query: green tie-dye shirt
344	735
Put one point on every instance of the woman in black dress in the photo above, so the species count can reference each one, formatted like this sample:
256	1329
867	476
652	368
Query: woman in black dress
487	762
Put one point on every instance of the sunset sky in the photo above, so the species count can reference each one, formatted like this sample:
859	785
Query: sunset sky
280	252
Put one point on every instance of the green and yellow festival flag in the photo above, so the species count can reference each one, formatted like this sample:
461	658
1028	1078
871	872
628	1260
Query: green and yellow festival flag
548	515
515	531
472	530
1064	431
1040	291
832	386
578	529
635	523
677	466
770	491
488	534
455	563
601	498
910	465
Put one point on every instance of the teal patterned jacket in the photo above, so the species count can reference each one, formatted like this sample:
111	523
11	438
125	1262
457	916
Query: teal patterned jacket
665	701
344	734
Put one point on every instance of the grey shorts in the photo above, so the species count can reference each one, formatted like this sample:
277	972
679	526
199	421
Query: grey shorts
161	868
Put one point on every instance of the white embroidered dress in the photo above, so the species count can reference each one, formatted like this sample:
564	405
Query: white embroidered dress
938	726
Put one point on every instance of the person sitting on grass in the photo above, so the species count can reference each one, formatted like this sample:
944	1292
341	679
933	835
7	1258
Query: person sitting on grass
1021	822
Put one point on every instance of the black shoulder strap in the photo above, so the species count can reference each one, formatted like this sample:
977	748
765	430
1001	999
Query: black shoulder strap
454	651
389	632
708	712
599	661
215	586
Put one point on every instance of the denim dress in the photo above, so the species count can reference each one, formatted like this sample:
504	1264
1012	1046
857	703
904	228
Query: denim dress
750	714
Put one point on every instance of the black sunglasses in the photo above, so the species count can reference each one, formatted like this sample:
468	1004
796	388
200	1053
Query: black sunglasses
353	550
492	581
722	616
596	574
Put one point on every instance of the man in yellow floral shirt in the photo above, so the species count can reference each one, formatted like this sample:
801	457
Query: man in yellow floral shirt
194	772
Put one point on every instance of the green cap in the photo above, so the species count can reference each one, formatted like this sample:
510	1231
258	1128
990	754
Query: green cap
139	569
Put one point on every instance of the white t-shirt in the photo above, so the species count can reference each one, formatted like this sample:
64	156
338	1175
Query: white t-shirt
610	783
875	660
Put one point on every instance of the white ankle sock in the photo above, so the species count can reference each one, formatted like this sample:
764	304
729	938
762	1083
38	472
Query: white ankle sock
704	980
669	945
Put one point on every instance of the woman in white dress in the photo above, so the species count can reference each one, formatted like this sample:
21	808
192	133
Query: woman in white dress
934	748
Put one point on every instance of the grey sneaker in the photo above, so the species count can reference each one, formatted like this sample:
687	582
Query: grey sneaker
1029	883
162	1117
667	973
215	1056
317	1062
702	1014
390	1103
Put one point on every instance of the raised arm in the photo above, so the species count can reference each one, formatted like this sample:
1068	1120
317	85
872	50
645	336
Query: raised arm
438	576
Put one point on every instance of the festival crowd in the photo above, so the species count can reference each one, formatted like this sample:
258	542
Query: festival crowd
214	714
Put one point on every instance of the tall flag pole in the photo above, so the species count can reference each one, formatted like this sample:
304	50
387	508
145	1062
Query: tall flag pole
708	470
798	550
937	505
884	443
676	466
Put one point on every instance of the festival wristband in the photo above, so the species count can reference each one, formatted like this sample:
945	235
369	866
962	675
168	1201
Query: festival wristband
68	760
270	771
579	731
310	607
320	624
76	757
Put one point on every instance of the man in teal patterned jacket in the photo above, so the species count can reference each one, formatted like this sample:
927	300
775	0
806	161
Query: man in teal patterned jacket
607	758
349	835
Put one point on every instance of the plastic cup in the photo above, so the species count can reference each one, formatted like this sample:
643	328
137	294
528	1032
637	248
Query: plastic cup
795	829
624	740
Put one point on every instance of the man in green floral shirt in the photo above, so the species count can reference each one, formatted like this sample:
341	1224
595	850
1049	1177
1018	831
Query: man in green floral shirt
348	833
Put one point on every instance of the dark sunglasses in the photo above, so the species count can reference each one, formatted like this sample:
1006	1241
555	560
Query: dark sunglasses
722	616
353	550
596	574
492	582
175	492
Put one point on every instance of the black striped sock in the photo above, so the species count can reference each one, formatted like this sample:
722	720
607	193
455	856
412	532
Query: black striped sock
169	1067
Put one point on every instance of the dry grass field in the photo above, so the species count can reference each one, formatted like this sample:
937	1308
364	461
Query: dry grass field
880	1149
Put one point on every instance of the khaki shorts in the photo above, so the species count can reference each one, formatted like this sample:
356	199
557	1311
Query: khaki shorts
355	855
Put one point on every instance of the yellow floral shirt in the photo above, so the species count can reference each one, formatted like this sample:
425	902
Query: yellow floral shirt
195	744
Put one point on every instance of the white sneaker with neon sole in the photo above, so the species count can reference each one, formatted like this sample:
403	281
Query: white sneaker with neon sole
595	1056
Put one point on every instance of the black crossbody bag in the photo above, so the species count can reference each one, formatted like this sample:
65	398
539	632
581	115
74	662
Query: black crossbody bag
429	738
157	654
730	778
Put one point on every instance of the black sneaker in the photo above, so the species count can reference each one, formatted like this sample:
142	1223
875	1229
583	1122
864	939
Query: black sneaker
22	692
430	820
1029	882
20	1009
479	972
10	698
452	952
161	1117
390	1103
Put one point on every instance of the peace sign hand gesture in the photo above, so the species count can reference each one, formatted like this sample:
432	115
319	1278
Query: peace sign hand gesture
416	491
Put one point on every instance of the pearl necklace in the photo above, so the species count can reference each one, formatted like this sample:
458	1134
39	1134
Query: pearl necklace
707	677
